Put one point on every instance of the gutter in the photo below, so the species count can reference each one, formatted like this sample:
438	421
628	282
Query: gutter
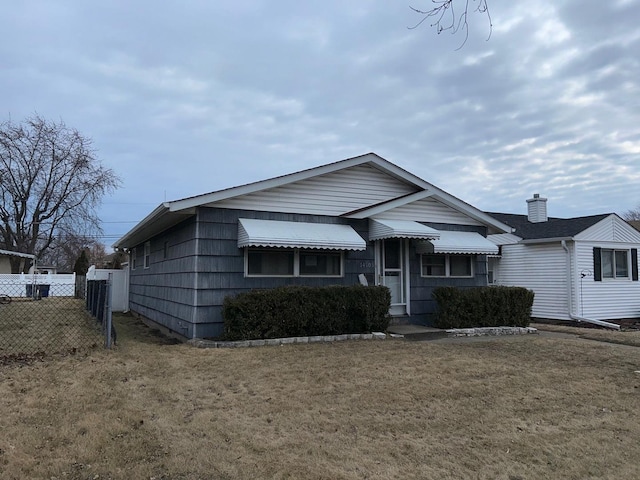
577	318
17	254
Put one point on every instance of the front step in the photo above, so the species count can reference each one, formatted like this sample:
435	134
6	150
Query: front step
400	320
417	332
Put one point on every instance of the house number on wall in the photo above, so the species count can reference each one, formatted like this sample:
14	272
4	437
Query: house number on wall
366	264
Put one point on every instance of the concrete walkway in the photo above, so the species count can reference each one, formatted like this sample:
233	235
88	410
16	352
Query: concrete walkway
417	332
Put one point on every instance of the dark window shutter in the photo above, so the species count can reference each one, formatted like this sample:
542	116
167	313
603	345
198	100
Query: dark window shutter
597	264
634	264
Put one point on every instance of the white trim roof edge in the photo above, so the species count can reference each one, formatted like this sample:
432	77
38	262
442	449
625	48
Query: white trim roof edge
156	213
384	165
17	254
377	160
278	181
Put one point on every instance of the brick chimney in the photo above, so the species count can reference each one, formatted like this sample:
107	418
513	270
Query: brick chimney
537	209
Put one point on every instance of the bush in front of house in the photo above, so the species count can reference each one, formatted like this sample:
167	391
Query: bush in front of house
297	311
483	307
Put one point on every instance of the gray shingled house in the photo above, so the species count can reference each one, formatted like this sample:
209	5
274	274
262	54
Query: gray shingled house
363	219
582	268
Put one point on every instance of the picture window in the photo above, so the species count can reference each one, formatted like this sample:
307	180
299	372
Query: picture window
439	265
293	263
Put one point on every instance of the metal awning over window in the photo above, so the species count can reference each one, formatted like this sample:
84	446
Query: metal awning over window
380	229
275	233
459	242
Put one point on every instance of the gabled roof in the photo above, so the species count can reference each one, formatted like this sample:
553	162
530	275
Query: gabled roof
171	213
552	228
635	224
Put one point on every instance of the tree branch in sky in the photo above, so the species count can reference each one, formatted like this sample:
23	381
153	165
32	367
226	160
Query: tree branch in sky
52	183
453	16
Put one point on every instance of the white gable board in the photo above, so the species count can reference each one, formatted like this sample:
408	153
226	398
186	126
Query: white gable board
610	229
333	193
504	238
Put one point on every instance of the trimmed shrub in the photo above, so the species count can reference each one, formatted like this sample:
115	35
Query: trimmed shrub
483	307
296	311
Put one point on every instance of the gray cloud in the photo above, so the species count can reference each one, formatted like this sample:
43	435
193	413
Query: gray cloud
186	98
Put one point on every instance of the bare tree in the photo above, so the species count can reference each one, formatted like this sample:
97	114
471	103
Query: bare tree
51	184
65	250
633	214
445	16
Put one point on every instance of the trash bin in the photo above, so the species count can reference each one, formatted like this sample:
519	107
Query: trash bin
44	290
35	294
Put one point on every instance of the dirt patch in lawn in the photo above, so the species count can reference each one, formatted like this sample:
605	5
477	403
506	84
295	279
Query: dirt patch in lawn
525	407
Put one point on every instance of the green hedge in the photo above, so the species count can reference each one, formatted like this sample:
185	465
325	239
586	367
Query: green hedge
483	307
305	311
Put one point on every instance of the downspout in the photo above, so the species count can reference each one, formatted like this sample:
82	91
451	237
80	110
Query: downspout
577	318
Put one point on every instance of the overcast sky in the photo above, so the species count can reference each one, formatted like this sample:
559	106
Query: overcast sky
183	98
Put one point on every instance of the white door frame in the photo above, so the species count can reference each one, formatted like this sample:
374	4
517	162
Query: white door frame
402	308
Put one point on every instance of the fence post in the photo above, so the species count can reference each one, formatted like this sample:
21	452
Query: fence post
107	311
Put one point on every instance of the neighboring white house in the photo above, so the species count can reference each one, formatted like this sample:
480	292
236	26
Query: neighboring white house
583	268
5	263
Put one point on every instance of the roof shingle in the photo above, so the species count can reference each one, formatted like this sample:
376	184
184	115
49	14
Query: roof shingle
552	228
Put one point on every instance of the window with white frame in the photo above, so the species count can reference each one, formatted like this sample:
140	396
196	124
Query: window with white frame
292	263
615	263
440	265
134	260
147	254
609	263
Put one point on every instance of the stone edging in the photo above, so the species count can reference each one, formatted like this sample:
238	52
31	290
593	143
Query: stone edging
483	331
199	343
452	333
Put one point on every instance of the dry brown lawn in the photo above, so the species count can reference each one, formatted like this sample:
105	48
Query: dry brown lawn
50	325
530	407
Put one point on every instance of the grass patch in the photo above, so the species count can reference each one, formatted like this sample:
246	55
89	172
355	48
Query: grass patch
50	325
509	408
622	337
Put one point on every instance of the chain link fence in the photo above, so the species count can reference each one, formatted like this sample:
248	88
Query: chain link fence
45	318
98	304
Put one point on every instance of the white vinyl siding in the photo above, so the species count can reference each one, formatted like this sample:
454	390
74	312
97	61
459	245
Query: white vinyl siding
334	193
428	210
610	229
544	274
607	299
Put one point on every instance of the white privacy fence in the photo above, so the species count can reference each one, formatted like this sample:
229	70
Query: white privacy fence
119	290
45	284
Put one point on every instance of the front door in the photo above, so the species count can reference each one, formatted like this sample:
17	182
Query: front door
391	264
